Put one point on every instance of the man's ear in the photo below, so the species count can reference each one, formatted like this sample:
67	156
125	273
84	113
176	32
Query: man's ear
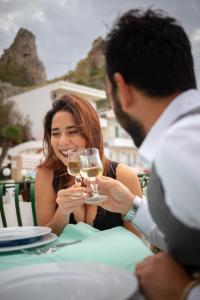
124	92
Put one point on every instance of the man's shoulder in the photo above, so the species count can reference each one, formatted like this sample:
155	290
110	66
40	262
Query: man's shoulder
181	135
179	144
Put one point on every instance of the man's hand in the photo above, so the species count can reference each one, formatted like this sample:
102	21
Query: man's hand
119	197
161	278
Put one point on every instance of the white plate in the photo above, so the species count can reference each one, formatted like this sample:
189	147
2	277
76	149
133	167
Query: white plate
67	281
45	239
18	233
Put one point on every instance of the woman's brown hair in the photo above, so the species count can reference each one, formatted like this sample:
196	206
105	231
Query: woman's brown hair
87	123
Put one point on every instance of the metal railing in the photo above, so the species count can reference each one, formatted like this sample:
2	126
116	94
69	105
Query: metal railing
144	179
25	189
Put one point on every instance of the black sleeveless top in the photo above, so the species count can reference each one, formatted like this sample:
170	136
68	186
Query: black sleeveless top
104	219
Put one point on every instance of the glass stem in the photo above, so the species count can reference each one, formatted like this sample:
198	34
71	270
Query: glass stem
78	180
94	185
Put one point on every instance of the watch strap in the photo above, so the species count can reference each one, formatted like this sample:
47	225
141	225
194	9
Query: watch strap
133	210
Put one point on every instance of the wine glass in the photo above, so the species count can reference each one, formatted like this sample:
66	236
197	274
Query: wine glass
73	166
91	166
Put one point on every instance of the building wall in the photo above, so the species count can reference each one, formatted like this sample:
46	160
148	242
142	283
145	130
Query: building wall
34	104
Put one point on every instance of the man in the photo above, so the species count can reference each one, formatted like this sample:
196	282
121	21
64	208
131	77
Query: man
151	81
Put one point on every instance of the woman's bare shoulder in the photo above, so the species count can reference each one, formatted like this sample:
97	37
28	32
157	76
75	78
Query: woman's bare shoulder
44	173
125	171
43	184
129	178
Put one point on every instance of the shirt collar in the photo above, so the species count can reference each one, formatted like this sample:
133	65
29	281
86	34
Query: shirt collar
180	105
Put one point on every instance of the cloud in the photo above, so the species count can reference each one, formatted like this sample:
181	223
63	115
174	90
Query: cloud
196	36
65	29
39	16
8	23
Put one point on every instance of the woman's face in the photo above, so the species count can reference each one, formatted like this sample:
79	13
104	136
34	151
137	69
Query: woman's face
64	135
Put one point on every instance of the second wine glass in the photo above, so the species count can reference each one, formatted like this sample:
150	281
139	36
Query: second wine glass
91	166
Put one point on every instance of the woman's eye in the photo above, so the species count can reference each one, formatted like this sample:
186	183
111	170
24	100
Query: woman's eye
55	134
72	132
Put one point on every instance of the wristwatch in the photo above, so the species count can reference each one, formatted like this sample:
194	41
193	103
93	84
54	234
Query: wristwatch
133	210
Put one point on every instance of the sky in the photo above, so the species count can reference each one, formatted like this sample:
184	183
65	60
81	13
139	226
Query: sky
65	29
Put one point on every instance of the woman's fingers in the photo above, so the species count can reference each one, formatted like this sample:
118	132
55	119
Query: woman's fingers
70	203
72	190
72	197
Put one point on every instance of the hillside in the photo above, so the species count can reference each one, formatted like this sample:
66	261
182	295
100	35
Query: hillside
21	69
90	71
20	64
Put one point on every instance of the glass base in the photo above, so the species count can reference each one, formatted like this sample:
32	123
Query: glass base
95	199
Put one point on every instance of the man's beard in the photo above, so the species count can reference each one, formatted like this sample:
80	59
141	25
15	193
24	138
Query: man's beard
132	126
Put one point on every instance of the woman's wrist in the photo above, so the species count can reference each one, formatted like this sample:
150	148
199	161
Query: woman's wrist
64	213
79	213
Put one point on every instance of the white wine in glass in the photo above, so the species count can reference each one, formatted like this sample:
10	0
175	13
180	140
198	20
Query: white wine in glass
91	166
91	172
73	166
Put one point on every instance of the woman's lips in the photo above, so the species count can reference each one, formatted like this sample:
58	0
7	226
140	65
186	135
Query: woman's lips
64	153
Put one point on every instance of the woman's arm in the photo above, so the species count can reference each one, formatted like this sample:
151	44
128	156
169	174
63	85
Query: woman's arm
47	211
129	178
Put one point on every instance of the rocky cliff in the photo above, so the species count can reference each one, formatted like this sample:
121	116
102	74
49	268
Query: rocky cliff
21	69
90	71
8	90
19	64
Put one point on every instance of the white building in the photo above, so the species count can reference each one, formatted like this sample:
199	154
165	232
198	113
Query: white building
118	143
35	103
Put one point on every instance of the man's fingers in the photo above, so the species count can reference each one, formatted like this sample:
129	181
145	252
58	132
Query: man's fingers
102	178
147	260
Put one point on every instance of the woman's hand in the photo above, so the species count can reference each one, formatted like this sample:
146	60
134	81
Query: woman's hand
71	199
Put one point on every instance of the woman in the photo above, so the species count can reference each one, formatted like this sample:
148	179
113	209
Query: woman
73	123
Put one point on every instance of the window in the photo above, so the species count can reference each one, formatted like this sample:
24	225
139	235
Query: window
116	131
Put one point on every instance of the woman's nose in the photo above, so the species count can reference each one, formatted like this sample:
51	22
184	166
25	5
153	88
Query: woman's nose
64	140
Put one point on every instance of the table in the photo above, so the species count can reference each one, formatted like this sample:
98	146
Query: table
116	246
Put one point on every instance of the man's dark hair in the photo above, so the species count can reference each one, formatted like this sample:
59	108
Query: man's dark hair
152	52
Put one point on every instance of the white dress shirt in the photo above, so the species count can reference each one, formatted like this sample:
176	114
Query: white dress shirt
195	293
175	151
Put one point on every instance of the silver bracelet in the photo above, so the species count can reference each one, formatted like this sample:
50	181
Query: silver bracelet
133	210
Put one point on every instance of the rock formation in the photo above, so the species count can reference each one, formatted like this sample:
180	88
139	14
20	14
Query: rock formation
7	90
91	70
20	64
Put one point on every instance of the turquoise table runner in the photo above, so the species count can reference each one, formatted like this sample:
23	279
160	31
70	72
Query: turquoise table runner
116	246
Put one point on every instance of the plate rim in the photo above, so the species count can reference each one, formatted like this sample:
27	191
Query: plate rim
65	268
45	239
43	231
